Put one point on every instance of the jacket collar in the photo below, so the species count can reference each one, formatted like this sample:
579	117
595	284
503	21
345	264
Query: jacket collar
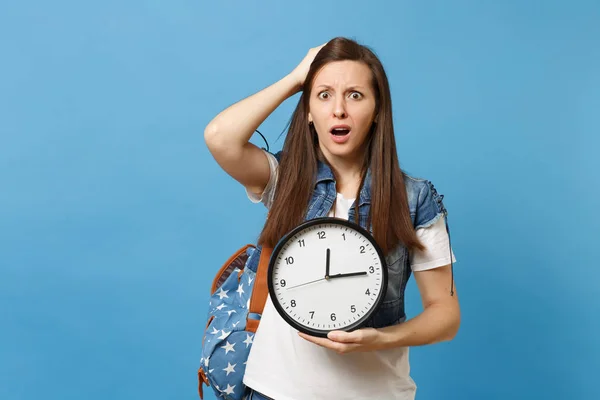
324	174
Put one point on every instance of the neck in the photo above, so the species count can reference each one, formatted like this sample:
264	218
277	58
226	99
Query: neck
347	174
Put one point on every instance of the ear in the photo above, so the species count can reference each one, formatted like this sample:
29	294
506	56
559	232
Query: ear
310	119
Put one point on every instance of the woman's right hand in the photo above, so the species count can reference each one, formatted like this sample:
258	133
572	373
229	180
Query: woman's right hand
299	73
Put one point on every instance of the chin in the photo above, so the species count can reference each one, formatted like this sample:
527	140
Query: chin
341	151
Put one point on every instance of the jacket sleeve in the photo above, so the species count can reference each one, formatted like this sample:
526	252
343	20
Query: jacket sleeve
430	207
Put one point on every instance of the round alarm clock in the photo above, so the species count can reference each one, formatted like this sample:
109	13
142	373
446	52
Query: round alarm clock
327	274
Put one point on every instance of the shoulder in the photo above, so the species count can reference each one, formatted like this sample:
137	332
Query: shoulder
424	201
277	155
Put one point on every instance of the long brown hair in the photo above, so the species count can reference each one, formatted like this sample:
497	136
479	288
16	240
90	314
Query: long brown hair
389	212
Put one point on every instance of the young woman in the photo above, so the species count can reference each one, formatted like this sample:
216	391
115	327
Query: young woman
339	159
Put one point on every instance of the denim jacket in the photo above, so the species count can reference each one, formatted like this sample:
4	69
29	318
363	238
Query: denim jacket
426	207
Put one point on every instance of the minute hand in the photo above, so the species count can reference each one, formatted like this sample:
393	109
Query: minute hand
346	275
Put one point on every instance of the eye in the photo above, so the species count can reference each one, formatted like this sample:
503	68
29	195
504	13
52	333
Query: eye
356	95
323	95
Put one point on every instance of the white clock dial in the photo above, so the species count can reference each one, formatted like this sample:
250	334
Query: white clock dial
327	274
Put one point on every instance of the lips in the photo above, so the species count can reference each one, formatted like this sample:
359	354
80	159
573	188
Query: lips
340	130
340	134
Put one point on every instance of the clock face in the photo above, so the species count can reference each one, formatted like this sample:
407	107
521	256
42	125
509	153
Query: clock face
327	274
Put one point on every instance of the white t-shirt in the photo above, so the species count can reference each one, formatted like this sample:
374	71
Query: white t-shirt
284	366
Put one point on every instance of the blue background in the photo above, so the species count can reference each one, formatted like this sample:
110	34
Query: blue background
114	217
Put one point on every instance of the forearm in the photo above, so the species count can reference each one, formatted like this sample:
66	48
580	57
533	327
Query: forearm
235	125
437	323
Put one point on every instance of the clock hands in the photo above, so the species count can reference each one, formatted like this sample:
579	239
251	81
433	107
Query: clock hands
302	284
346	275
327	264
327	276
331	277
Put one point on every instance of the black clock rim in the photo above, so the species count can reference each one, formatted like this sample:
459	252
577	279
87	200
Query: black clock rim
318	221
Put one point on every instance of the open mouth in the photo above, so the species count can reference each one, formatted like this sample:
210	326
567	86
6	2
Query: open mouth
340	134
340	131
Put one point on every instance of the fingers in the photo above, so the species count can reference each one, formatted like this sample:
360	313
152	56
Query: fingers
346	337
338	347
315	340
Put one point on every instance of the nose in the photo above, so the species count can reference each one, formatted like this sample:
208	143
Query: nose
340	109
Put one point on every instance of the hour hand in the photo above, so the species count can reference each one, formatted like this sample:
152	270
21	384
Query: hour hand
327	264
347	275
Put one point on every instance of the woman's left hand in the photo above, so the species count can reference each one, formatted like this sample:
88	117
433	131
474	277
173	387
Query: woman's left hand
366	339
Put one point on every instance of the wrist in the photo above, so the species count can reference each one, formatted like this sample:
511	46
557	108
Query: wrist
383	340
295	82
388	337
379	340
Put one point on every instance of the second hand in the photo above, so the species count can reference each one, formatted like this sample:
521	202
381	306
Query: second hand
302	284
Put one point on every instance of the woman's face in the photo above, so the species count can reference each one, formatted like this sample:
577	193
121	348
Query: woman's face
342	107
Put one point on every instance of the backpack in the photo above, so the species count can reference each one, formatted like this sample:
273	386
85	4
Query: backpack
238	296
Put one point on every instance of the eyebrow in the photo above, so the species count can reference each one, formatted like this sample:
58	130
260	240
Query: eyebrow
350	87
